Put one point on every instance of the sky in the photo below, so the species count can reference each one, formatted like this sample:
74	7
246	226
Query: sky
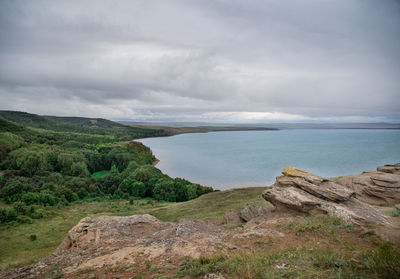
205	60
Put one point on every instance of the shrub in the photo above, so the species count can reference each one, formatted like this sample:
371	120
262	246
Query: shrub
20	207
33	237
68	194
39	213
7	215
24	219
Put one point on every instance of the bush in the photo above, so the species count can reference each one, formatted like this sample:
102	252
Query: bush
67	194
39	213
7	215
24	219
33	237
20	207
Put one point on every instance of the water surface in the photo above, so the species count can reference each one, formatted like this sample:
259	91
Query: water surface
254	158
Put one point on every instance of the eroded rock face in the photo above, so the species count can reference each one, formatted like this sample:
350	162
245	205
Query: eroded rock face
348	199
379	187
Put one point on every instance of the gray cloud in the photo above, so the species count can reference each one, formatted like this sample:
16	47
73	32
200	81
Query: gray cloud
202	60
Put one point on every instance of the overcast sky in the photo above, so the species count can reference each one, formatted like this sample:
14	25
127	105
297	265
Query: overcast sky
209	61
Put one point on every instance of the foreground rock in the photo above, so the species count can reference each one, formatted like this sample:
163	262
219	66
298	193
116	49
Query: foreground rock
98	244
111	240
351	199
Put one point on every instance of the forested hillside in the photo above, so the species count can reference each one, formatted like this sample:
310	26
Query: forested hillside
52	161
81	125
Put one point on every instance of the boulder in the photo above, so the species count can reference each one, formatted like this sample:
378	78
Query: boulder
232	218
248	213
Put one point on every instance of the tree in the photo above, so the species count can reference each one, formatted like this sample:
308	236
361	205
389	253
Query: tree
180	189
164	190
79	169
138	189
191	191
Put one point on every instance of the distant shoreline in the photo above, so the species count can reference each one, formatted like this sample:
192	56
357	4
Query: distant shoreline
173	131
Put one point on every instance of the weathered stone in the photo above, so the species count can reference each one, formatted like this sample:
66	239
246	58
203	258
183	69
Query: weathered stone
395	169
248	212
314	184
291	198
374	187
302	192
232	218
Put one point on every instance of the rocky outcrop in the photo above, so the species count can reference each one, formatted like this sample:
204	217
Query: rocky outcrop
302	192
380	187
112	240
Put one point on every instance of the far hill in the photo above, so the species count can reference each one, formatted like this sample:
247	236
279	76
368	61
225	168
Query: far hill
87	122
80	125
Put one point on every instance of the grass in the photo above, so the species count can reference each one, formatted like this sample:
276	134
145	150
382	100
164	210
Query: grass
212	205
319	260
319	224
16	248
100	174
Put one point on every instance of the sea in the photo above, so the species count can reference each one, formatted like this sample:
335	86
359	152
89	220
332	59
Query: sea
234	159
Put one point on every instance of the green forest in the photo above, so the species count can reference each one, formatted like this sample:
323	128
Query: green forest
48	161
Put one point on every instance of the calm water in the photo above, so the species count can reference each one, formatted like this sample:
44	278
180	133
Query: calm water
253	158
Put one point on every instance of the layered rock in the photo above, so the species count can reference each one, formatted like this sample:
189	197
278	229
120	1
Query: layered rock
299	191
380	187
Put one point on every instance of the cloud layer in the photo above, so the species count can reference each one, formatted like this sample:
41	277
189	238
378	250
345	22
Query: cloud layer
229	61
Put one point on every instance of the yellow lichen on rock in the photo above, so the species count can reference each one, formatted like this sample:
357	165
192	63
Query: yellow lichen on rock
291	171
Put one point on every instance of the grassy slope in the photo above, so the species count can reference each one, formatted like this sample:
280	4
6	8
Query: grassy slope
17	249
